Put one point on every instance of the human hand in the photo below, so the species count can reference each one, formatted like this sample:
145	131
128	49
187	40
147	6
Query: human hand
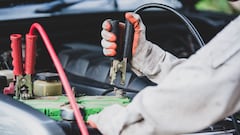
109	39
92	124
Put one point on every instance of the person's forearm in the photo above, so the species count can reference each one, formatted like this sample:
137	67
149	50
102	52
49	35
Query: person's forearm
195	94
235	4
152	61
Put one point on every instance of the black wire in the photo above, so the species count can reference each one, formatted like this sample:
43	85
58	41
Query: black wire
235	124
112	89
188	23
106	92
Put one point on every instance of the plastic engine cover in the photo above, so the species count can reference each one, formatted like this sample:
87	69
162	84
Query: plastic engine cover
88	71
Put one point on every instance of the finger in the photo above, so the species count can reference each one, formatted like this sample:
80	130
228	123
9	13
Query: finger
134	48
108	45
135	42
134	19
92	124
109	52
109	36
106	25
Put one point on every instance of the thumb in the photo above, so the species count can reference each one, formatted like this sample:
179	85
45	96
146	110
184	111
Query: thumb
134	19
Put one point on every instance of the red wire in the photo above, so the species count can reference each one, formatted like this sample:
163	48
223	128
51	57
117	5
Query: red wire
62	75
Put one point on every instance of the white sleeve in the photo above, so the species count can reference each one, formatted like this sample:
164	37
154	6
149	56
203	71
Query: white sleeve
152	61
195	94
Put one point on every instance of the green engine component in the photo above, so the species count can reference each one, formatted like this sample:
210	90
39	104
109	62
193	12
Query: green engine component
52	106
95	104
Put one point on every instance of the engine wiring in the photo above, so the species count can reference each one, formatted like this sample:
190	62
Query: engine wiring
37	27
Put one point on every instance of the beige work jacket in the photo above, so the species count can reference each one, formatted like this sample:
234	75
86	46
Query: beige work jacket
191	93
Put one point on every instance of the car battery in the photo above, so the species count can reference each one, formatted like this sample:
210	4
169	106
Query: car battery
58	107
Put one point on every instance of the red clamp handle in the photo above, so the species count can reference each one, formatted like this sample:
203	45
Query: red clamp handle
16	45
30	58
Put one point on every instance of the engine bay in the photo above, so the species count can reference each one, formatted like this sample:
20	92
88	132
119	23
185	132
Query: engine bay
77	64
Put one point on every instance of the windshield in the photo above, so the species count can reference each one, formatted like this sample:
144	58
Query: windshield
21	9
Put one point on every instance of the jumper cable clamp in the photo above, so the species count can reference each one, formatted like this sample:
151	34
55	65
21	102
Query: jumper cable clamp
124	51
23	72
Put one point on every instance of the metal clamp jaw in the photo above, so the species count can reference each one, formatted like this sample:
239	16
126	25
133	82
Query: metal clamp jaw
118	66
124	51
24	87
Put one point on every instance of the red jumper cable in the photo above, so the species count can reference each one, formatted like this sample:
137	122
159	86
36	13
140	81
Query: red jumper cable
62	75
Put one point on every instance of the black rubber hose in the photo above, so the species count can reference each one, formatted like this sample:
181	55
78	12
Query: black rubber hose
186	21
